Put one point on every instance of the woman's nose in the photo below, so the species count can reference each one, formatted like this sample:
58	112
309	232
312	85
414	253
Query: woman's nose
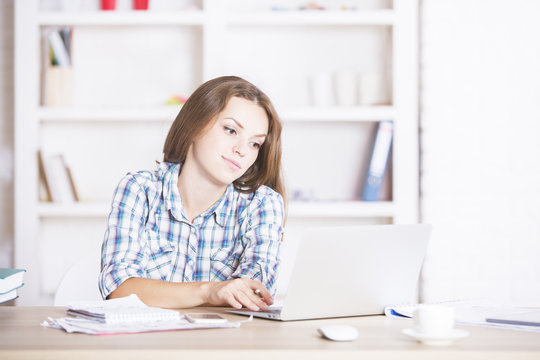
239	148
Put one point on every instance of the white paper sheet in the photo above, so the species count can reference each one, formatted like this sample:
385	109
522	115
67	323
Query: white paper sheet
474	313
127	305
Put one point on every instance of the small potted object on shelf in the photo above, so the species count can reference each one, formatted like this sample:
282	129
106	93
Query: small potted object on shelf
108	4
140	4
312	5
176	100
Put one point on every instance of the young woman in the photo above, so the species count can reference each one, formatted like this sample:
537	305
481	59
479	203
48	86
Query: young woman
204	227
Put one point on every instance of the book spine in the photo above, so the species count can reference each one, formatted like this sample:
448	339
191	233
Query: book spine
59	179
64	181
59	49
13	289
72	183
43	175
10	280
378	162
12	295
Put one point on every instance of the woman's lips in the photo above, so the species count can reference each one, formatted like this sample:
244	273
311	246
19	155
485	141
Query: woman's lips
232	164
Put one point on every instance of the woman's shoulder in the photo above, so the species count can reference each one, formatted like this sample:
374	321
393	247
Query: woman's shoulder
148	180
263	193
264	204
263	198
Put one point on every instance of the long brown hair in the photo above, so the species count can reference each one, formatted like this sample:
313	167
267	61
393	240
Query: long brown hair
204	105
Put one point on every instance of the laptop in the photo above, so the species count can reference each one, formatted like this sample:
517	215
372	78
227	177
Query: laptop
352	271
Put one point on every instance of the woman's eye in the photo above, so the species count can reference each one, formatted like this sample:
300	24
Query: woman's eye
256	145
229	130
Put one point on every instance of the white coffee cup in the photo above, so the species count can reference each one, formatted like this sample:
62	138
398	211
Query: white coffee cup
322	89
371	89
345	86
433	320
71	5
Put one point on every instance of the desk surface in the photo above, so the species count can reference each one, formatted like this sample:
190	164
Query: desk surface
21	336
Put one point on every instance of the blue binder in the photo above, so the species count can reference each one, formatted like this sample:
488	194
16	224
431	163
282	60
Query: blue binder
378	162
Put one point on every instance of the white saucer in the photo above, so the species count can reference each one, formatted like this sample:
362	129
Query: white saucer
439	340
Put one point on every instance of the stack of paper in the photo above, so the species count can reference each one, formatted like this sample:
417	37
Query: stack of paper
125	315
481	313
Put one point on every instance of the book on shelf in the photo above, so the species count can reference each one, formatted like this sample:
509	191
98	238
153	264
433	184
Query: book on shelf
378	163
57	74
43	178
10	280
57	178
59	50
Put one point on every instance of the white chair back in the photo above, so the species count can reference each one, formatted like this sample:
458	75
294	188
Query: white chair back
80	283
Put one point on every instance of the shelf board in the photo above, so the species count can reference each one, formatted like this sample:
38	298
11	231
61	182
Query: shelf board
168	114
326	17
341	209
143	114
337	113
121	18
190	18
323	209
74	210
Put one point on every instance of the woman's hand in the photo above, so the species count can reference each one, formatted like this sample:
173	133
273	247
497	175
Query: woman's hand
239	292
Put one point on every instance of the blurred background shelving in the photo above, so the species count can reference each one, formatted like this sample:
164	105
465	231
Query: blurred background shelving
127	64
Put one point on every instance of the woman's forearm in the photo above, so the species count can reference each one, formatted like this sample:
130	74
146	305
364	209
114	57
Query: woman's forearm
236	293
164	294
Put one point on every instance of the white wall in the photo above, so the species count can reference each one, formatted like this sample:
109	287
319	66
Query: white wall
6	132
480	116
480	113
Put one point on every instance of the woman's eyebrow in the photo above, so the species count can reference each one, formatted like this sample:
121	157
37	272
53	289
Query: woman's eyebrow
236	121
242	126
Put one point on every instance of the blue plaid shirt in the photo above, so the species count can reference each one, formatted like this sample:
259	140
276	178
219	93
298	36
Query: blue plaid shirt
149	236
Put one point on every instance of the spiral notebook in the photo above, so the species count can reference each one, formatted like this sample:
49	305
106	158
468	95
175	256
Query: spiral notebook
126	315
123	310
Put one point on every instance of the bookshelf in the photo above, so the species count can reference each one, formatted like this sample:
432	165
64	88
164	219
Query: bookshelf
120	126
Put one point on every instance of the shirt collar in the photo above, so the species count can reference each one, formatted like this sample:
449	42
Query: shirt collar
222	208
169	173
169	176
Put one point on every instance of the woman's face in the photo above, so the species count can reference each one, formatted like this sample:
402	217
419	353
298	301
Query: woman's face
230	144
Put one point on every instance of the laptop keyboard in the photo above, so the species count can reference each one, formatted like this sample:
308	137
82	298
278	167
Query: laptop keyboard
276	310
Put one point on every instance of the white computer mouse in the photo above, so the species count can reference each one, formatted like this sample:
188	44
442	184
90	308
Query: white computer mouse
339	332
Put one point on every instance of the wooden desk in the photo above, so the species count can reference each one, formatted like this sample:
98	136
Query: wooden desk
22	337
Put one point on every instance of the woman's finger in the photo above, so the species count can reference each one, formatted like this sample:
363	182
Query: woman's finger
264	294
257	292
245	299
260	300
232	301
